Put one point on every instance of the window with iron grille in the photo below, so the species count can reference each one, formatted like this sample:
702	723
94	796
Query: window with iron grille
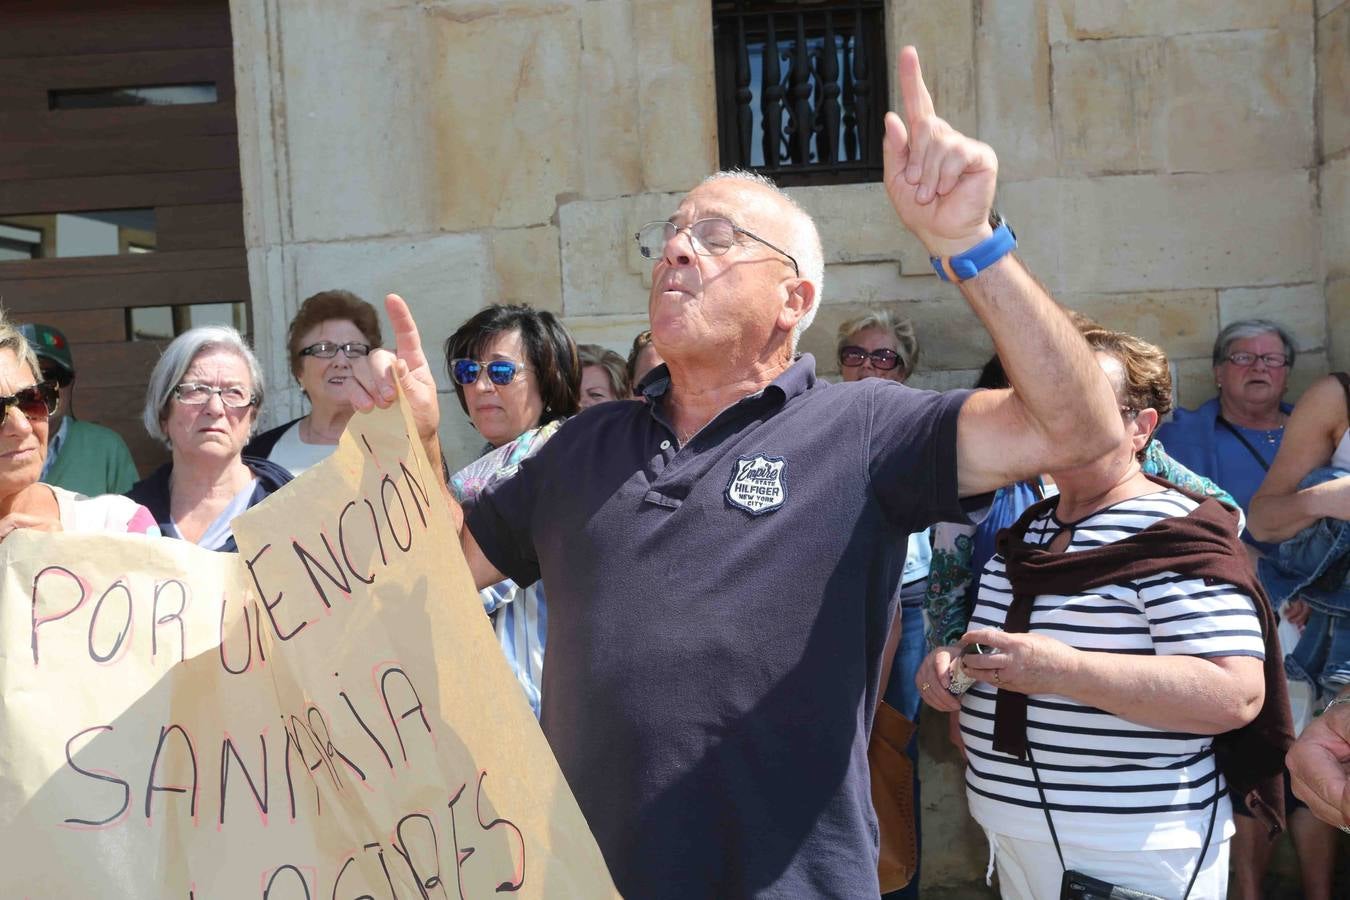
801	88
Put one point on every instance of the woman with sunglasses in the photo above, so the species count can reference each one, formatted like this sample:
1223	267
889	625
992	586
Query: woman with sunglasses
202	402
880	345
518	377
331	329
25	403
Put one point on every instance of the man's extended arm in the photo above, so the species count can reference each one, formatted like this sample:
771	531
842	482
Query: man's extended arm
373	385
1061	410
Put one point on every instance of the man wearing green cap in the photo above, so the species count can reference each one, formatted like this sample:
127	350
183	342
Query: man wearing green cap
81	456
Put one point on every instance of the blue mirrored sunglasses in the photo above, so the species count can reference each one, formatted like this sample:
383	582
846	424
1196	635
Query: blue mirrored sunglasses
500	371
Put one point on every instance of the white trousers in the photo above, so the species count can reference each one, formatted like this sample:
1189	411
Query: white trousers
1030	870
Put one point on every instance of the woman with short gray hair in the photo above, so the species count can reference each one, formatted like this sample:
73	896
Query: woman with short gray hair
202	402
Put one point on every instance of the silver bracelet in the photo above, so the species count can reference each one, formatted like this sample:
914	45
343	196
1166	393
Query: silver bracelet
1335	701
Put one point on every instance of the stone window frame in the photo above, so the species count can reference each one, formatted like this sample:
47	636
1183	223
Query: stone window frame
842	98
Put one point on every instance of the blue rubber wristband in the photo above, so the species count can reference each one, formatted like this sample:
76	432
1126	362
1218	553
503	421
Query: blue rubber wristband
978	258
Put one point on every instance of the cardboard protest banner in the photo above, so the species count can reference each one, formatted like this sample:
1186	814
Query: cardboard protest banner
324	715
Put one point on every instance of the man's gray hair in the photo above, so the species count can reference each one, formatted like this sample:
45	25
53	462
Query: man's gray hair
1250	328
12	339
803	244
178	357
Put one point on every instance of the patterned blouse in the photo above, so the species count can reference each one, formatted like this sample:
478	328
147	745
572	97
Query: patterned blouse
519	612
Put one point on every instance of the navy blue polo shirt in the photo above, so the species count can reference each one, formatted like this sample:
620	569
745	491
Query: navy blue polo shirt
717	614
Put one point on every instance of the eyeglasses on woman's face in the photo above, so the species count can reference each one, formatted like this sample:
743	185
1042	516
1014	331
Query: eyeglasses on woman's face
500	372
883	360
328	350
235	396
36	402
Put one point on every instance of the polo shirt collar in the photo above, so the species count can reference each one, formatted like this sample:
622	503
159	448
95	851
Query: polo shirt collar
796	379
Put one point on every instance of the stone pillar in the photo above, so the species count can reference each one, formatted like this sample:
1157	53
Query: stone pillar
1333	107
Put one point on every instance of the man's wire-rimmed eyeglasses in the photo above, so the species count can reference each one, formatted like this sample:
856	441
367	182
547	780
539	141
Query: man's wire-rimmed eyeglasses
710	237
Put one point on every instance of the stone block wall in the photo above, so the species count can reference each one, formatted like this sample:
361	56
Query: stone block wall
1333	156
1169	167
1167	171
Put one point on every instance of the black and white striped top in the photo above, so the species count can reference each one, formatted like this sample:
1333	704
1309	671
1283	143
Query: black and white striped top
1111	784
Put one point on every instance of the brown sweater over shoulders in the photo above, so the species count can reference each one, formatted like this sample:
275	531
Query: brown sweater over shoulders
1203	544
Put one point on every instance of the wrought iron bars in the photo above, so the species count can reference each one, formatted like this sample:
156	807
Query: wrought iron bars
796	97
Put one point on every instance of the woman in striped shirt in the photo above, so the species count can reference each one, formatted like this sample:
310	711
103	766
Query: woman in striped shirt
1113	691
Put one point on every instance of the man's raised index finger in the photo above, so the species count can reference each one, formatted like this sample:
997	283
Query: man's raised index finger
918	102
407	341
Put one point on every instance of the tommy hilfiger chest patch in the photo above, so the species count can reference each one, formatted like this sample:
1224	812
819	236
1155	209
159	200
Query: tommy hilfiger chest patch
758	484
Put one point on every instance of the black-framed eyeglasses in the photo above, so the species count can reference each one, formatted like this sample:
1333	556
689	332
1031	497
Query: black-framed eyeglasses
1243	359
500	372
328	350
36	402
883	360
235	396
710	237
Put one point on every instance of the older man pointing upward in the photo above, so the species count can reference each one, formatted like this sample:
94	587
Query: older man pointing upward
722	559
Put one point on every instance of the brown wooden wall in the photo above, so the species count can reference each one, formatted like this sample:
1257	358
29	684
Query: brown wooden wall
182	161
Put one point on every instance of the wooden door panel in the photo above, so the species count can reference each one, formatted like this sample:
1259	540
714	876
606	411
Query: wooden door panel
180	160
42	195
200	226
125	291
39	28
22	160
86	326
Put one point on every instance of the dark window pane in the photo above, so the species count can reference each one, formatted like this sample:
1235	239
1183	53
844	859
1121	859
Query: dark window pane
164	323
801	88
108	232
19	243
134	95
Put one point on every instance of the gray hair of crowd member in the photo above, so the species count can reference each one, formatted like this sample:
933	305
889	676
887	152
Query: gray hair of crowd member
906	341
176	359
803	245
12	339
1250	328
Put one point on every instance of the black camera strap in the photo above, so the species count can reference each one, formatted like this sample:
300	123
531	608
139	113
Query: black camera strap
1200	861
1256	454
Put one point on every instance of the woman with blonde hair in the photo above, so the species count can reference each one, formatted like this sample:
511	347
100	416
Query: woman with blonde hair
26	400
604	375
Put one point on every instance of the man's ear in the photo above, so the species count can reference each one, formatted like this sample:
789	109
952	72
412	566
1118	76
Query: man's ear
801	300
